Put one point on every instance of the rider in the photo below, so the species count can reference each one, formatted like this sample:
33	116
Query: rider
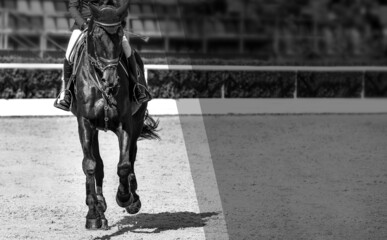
80	11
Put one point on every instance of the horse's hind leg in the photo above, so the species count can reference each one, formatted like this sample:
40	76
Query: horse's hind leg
99	175
135	206
89	164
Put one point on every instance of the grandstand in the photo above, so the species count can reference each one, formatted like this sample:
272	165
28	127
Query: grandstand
41	27
260	29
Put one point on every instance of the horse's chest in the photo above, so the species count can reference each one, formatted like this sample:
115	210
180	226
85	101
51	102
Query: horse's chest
99	109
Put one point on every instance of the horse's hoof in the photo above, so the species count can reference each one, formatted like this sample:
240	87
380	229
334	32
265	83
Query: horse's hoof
93	224
134	207
124	204
104	224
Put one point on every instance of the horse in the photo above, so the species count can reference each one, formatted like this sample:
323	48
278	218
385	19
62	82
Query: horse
103	100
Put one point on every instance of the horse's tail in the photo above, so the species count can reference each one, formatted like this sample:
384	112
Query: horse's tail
149	129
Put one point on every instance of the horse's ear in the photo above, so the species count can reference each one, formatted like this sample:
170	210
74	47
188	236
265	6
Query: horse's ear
95	12
123	10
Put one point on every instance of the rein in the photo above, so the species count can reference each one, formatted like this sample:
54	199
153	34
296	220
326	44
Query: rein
102	64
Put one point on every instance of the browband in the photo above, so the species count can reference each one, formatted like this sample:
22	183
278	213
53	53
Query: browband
107	24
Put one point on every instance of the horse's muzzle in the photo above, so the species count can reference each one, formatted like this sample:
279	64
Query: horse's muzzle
110	81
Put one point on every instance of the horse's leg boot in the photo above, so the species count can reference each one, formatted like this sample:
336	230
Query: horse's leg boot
63	101
141	93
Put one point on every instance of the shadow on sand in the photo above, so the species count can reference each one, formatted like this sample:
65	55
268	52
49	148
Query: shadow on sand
159	222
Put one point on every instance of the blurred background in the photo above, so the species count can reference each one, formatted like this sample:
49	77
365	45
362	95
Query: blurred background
274	31
221	32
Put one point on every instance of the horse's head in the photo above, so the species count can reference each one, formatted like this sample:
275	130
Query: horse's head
105	40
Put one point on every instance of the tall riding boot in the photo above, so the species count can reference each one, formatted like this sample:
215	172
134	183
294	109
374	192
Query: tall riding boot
141	93
64	99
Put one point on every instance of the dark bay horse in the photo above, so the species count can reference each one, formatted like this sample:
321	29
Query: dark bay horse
103	101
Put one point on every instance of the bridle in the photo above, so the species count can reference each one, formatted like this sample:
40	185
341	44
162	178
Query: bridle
101	63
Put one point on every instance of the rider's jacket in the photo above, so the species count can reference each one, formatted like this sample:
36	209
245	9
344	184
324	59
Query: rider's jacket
80	11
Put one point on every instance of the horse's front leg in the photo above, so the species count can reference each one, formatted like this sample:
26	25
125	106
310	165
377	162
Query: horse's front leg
89	165
126	193
99	175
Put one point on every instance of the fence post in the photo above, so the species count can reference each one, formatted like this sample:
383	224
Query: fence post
362	94
146	74
222	88
295	94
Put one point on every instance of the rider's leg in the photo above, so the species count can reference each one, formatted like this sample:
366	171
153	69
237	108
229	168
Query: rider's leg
141	92
64	99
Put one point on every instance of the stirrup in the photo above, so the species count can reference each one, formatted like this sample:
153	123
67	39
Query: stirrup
146	92
61	103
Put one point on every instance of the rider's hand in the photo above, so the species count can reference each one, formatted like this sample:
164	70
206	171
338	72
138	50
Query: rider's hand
84	26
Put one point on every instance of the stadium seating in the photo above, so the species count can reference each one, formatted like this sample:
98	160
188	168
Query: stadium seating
175	28
168	21
150	26
49	25
137	25
160	10
9	4
23	23
218	27
48	7
36	7
231	26
62	24
135	9
61	6
191	28
36	22
22	6
147	9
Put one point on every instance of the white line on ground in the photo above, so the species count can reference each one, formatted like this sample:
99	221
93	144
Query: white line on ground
44	107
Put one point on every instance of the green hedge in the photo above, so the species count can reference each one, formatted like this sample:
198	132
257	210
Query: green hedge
375	85
208	84
329	85
29	83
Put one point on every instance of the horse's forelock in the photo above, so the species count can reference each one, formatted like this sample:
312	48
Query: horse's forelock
108	15
109	3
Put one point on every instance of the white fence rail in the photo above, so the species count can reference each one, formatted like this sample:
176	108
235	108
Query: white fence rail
295	69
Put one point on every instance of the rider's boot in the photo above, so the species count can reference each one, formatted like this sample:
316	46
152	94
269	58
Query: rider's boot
63	101
141	93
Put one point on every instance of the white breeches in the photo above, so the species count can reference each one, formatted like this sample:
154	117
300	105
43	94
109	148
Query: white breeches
78	35
126	47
